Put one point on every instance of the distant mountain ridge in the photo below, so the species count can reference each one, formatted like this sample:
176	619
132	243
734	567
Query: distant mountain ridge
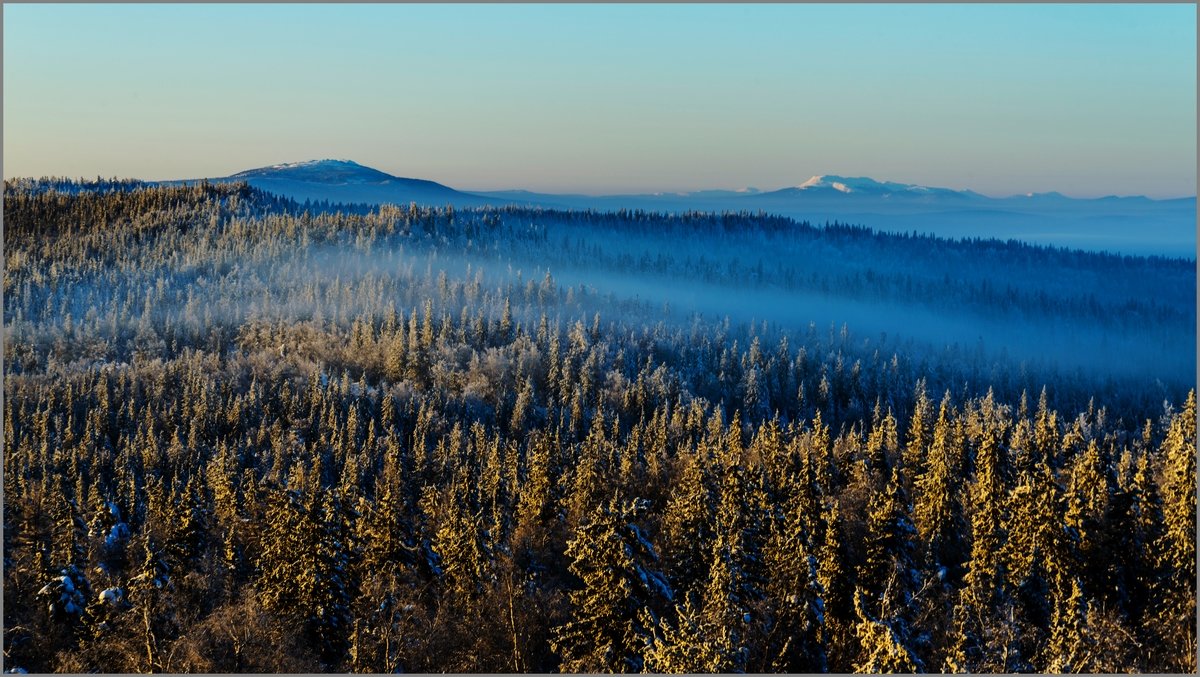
330	171
346	181
1130	224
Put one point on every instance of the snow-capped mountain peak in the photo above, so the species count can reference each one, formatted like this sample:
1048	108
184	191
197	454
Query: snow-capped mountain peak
863	185
857	184
838	183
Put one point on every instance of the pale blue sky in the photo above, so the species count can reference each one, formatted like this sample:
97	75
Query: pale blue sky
1085	99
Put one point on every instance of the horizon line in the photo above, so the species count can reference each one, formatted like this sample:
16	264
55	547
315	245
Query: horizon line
628	192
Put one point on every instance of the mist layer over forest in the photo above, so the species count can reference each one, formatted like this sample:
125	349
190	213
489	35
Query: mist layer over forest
242	435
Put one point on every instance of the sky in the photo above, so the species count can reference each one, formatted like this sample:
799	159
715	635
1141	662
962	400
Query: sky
1087	100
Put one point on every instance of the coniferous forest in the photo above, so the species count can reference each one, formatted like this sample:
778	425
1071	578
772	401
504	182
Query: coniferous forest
245	434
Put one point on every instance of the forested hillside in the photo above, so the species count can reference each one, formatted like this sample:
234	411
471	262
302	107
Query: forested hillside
245	434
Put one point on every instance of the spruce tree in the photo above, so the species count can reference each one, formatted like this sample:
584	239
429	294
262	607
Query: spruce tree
687	527
681	646
1176	609
617	585
884	645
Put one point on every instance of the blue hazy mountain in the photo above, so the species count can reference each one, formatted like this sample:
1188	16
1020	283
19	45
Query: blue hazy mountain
1131	225
349	182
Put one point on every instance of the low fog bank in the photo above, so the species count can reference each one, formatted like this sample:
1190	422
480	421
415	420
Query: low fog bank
1133	226
1060	345
1054	343
1171	235
607	260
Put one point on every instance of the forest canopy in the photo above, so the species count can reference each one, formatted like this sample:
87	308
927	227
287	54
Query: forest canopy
245	434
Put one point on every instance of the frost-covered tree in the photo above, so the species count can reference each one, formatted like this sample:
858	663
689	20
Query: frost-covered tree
1177	545
614	563
686	528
